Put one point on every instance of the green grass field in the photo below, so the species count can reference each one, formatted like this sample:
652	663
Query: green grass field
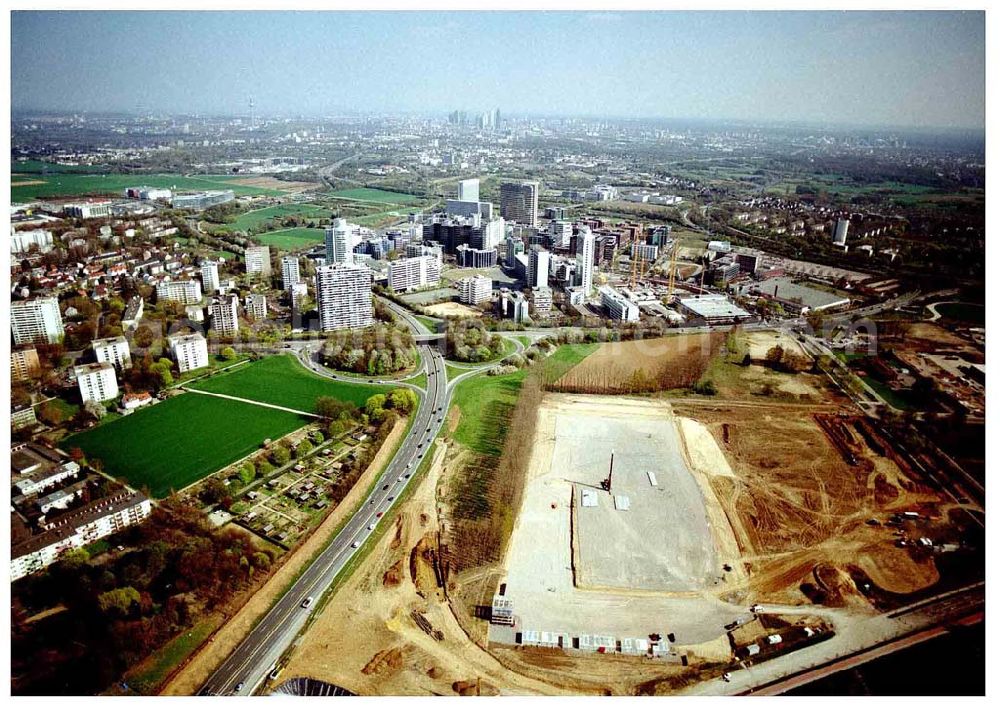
251	219
36	167
965	312
368	194
477	397
283	381
71	185
291	239
177	442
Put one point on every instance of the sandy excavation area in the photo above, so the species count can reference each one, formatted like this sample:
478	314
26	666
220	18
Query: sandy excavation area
761	341
649	567
449	308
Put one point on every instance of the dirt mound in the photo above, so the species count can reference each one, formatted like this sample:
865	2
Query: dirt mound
389	659
398	537
836	585
393	576
423	560
434	672
474	687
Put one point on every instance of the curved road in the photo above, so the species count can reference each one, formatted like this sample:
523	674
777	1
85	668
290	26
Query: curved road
248	665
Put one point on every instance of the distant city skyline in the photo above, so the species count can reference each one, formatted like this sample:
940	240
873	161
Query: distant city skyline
900	69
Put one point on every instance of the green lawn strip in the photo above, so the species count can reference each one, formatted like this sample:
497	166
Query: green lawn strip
251	219
283	381
70	185
202	435
893	398
291	239
965	312
215	365
524	340
454	371
147	678
478	396
369	194
565	358
430	323
509	348
420	380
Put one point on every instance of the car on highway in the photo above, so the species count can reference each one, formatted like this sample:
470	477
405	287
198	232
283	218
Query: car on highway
399	479
385	487
378	514
273	675
307	602
371	526
391	498
356	544
239	687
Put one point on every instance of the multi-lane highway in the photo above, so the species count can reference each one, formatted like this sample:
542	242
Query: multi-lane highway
249	664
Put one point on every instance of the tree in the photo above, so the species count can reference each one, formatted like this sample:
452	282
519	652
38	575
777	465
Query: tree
247	473
280	455
213	491
228	354
302	449
263	466
118	601
403	400
95	409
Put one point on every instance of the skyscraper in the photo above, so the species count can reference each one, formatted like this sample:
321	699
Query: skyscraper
290	274
538	267
585	260
209	276
468	190
519	202
343	296
339	240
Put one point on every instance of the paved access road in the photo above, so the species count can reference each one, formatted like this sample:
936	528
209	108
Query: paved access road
247	667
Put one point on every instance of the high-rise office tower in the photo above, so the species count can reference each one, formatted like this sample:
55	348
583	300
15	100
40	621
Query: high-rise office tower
468	190
339	240
585	260
343	296
519	202
538	267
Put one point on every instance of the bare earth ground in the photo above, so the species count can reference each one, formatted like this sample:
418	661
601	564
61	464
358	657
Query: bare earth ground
540	577
759	342
443	310
275	184
191	677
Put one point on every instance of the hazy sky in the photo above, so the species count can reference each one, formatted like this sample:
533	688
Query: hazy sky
904	68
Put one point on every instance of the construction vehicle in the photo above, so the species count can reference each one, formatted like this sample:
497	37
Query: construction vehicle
606	483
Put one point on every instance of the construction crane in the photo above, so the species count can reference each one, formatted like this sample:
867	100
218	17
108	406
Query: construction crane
606	483
672	270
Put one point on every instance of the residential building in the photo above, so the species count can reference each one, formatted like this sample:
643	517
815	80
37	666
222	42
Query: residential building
258	261
187	292
474	290
560	234
23	241
75	528
88	210
133	313
256	306
97	381
618	307
209	276
190	351
513	305
519	202
344	296
538	267
225	315
34	468
414	272
24	364
134	400
113	350
645	252
35	321
584	276
339	240
22	417
488	235
290	274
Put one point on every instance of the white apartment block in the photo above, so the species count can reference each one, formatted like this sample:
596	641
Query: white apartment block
37	320
468	190
584	276
22	241
474	289
225	316
209	276
414	272
618	307
114	351
645	252
541	298
24	364
560	233
185	292
344	296
258	261
290	274
77	528
97	381
256	306
190	351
